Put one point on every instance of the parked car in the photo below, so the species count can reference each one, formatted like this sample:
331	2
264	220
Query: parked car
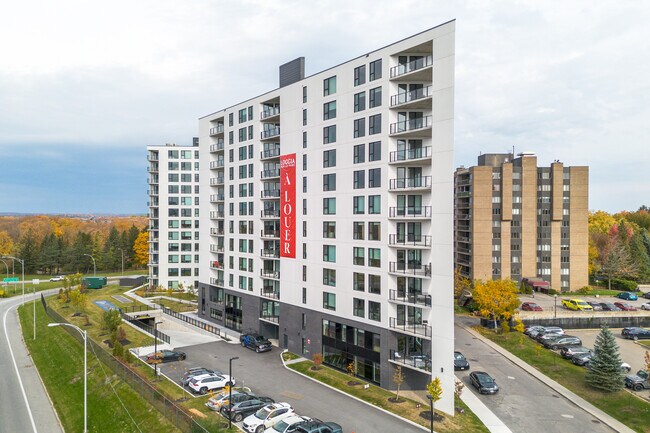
288	424
256	342
209	382
483	382
595	305
541	338
196	371
576	305
316	426
243	409
645	306
460	362
608	306
571	351
638	381
530	306
625	306
581	358
564	341
165	356
57	278
266	417
637	334
629	329
625	367
552	330
628	296
222	399
533	329
646	295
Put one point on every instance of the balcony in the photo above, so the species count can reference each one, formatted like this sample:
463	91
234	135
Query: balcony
268	174
270	292
217	130
270	233
269	318
270	273
217	164
269	133
409	269
410	183
215	198
270	153
270	213
411	298
152	157
410	326
217	282
216	248
411	240
413	361
217	214
418	127
216	232
409	212
216	265
153	168
217	147
417	99
270	113
270	253
419	69
216	180
272	194
463	194
411	155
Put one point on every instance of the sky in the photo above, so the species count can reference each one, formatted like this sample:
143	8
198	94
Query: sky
86	86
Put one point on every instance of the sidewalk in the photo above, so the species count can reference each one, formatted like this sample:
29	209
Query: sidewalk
569	395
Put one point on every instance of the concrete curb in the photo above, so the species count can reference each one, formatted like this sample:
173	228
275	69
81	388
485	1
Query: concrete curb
569	395
351	396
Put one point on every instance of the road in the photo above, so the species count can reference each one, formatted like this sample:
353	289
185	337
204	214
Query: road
24	405
523	403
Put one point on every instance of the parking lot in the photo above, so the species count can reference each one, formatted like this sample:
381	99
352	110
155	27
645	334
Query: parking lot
266	376
548	304
631	352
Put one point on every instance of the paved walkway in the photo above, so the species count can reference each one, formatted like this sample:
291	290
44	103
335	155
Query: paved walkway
574	398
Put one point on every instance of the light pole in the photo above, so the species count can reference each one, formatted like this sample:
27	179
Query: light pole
84	335
6	266
94	267
22	264
155	348
122	251
555	307
230	390
430	398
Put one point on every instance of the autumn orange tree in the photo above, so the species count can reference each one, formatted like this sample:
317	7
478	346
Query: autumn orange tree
496	299
141	248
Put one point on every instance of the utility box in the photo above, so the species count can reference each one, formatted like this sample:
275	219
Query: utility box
94	282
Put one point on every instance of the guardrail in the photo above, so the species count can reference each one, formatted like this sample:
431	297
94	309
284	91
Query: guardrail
192	321
146	328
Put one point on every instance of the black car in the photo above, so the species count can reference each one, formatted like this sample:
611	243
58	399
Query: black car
646	295
256	342
196	371
582	358
483	382
241	410
563	341
595	305
542	338
460	362
608	306
570	352
316	426
165	356
629	329
637	334
237	398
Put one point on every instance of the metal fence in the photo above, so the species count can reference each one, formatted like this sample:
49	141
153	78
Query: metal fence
146	328
192	321
174	414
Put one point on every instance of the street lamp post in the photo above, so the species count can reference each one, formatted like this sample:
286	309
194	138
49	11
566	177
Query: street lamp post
22	264
122	251
155	347
6	266
430	411
555	307
94	267
230	390
84	335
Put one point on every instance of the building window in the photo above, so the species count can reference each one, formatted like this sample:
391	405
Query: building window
304	116
359	127
359	101
329	158
358	230
329	86
329	229
374	231
374	204
329	206
304	94
358	204
360	75
358	307
358	281
329	277
304	295
374	151
359	256
329	134
359	177
329	253
304	139
329	182
374	126
329	110
359	153
329	301
374	311
375	70
374	257
374	97
374	284
374	178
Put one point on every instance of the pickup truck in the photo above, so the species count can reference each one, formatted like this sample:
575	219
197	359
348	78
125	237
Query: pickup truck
256	342
638	381
576	304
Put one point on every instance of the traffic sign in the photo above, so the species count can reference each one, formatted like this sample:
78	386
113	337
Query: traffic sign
11	280
36	281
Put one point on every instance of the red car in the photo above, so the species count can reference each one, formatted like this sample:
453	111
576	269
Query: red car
530	306
624	306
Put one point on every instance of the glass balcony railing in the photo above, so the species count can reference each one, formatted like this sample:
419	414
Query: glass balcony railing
266	174
270	153
271	132
217	146
217	129
270	112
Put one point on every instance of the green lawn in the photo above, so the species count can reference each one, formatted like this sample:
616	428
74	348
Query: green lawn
59	359
467	422
622	405
178	307
645	343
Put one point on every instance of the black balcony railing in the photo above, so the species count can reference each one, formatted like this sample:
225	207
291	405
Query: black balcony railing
410	182
410	268
410	125
411	154
270	292
409	240
410	325
409	212
413	65
414	360
413	95
410	297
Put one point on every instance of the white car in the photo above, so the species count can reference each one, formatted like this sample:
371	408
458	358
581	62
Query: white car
57	278
287	425
646	306
267	417
209	382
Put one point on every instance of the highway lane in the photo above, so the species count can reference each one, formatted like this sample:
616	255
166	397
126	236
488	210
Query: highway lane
523	403
24	405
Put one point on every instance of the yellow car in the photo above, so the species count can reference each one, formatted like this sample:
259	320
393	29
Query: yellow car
576	304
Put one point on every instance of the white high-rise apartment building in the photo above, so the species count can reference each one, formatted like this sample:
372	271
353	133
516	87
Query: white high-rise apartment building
326	213
174	216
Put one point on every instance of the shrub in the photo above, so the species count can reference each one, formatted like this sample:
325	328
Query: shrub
3	294
553	292
505	326
120	334
583	290
625	285
111	320
317	359
118	350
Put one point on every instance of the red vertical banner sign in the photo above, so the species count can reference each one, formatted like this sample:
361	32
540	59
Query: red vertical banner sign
288	205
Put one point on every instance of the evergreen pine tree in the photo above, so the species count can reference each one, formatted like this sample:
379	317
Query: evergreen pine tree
604	371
